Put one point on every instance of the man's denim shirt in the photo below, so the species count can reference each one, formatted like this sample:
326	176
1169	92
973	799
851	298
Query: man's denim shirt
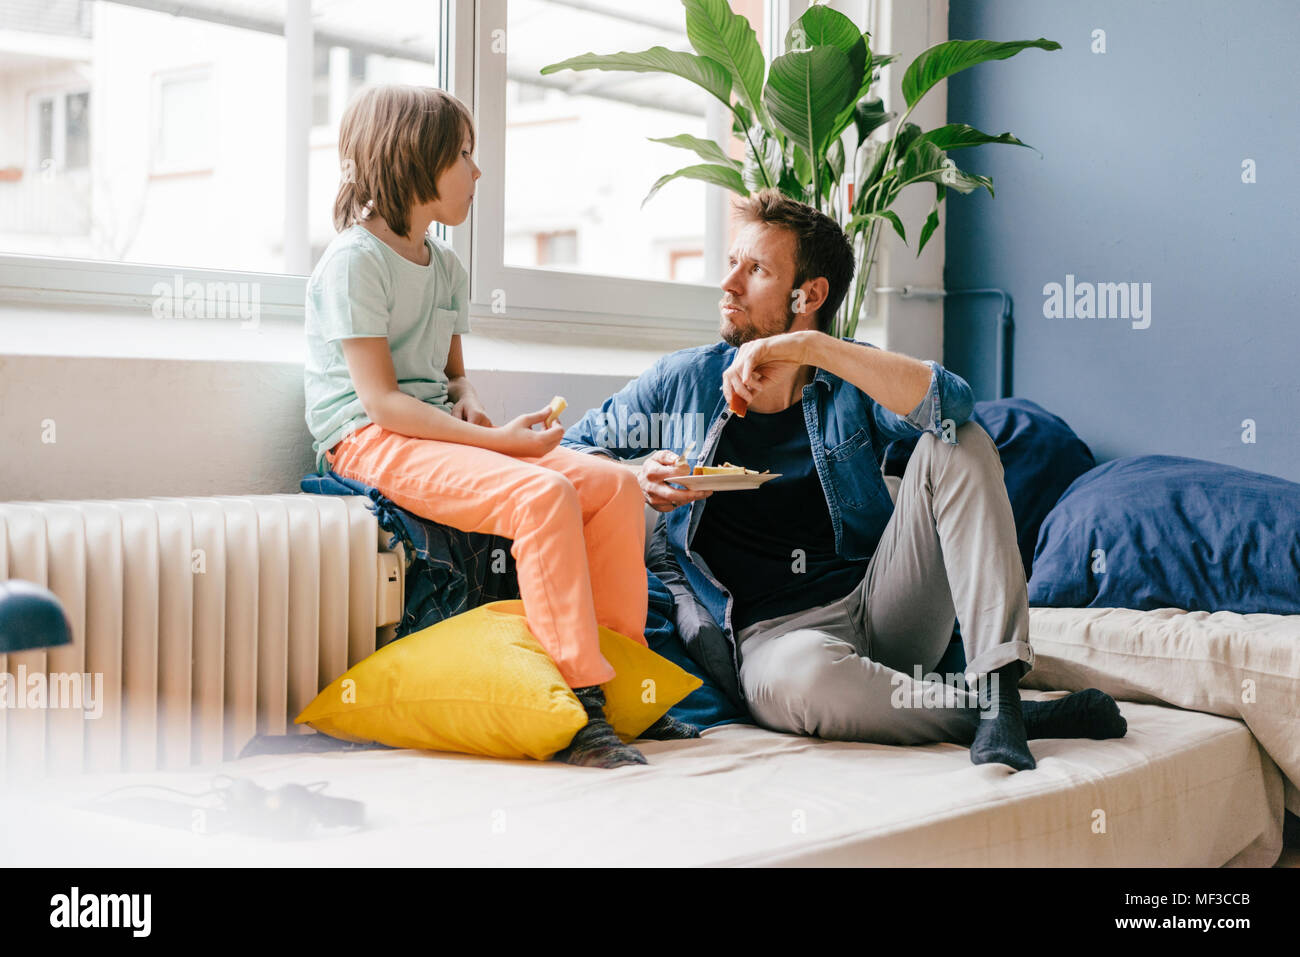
678	405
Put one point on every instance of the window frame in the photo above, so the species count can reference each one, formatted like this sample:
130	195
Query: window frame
58	97
158	168
34	158
109	284
555	296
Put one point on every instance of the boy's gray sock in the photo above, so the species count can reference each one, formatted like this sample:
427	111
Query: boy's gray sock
596	745
669	728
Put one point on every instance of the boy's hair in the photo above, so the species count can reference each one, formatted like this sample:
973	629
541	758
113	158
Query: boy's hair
394	142
820	247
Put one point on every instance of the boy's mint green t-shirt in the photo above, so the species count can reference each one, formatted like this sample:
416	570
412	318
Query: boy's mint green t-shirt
362	287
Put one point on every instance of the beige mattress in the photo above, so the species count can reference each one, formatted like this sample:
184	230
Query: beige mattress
1238	666
1184	788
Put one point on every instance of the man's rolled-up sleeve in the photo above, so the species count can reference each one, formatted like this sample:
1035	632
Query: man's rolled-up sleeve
948	403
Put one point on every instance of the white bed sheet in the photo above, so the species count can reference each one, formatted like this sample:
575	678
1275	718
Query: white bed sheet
1238	666
1182	788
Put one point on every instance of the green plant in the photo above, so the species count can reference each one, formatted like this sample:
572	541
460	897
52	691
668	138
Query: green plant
793	121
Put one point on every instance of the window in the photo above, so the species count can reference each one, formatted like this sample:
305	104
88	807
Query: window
557	249
183	140
686	265
45	132
356	70
76	131
62	131
578	160
581	158
320	85
337	73
195	156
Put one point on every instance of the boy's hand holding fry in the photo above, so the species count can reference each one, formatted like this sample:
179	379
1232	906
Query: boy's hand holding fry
518	437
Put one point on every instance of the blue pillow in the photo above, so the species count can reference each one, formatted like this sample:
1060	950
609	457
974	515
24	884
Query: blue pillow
1040	455
1159	531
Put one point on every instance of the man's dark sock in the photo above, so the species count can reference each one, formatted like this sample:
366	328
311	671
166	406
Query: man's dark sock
1085	714
669	728
1000	736
596	745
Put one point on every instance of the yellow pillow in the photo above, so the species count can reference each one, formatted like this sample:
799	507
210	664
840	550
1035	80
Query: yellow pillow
645	684
479	683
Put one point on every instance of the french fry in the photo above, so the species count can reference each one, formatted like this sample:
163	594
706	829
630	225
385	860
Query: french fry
558	405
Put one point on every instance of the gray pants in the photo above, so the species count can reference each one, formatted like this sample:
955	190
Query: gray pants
848	671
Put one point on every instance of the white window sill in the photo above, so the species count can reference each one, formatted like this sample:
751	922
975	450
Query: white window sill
496	344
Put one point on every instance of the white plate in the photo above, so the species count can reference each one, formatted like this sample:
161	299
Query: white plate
722	483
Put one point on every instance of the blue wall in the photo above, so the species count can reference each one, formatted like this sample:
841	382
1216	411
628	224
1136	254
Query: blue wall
1140	180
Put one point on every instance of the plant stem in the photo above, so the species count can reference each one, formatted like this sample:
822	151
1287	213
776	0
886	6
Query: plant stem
864	272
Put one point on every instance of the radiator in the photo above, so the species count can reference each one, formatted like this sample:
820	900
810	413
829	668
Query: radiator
207	620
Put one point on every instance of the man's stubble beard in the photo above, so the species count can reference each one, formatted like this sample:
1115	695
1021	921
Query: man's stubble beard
738	337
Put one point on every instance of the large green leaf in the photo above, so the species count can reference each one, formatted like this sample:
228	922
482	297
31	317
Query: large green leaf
704	149
962	181
728	177
905	137
926	163
763	161
867	167
859	222
848	114
830	173
868	163
868	196
801	165
806	91
791	186
700	70
932	220
868	116
835	160
919	159
881	59
727	38
959	135
944	59
741	118
823	27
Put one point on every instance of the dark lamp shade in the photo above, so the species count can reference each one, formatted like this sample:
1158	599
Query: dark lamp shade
30	617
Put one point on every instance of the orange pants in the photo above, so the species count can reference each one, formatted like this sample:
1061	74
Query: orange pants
577	520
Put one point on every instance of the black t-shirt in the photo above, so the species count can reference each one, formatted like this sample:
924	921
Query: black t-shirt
773	547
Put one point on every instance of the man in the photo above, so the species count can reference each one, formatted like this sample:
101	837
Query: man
813	597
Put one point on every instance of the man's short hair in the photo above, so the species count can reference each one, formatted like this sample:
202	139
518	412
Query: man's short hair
820	247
